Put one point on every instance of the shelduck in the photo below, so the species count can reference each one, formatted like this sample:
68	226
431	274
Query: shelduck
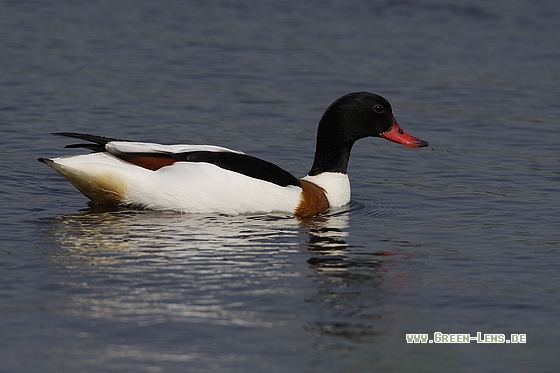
213	179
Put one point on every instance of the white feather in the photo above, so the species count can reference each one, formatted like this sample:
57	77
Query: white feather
116	147
336	186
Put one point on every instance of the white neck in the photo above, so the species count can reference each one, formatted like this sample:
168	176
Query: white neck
336	186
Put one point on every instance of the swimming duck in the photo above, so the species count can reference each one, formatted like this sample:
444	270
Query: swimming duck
213	179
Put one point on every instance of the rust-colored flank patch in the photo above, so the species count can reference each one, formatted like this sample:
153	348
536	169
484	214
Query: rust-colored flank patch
151	162
313	200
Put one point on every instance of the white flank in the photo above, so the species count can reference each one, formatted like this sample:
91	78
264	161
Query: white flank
204	187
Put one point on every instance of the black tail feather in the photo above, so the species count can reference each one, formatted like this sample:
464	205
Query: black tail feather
98	145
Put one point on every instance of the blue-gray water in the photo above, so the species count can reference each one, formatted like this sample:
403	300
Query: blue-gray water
460	237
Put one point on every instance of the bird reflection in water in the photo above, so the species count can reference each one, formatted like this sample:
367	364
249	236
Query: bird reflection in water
148	266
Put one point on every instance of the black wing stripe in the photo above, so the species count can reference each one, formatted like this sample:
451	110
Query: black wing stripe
243	164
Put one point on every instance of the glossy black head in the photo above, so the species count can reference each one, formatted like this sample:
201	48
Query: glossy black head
357	115
350	118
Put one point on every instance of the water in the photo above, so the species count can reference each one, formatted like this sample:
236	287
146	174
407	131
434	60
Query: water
461	237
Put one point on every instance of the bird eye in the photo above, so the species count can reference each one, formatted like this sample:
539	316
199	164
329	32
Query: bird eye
378	109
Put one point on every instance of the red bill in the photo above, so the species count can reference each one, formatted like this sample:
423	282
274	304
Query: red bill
396	134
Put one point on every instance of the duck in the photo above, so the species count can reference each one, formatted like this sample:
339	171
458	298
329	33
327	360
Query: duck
217	180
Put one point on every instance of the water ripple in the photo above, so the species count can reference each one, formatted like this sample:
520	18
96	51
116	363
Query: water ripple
382	209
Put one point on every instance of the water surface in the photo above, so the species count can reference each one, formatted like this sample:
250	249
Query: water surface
460	237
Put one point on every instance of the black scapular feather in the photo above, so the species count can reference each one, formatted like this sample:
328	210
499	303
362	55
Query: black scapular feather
243	164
